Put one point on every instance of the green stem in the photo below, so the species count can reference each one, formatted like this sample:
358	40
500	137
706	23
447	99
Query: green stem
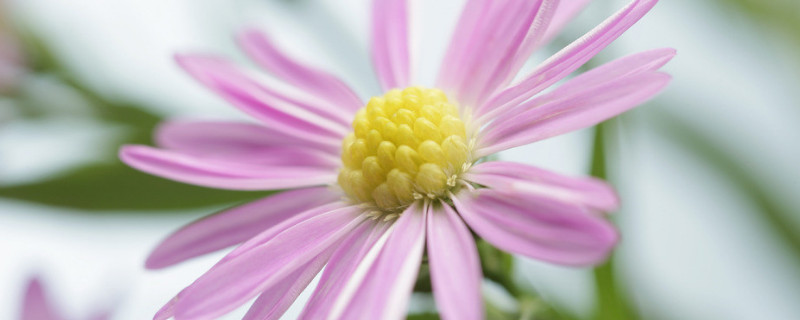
611	302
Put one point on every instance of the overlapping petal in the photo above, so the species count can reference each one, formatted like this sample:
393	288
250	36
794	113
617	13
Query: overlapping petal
454	265
222	174
315	82
516	177
390	43
237	141
236	225
491	41
385	291
346	270
582	108
537	227
272	303
566	61
232	282
288	114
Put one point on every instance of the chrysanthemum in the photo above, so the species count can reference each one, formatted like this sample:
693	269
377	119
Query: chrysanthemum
378	184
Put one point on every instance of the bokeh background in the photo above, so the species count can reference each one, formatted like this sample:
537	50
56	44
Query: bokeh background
708	171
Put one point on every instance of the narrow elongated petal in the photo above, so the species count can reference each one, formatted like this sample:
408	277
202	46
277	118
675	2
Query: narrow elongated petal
231	283
316	82
168	310
567	60
35	305
272	303
390	48
454	265
492	40
233	140
386	289
567	9
575	111
516	177
235	225
631	65
537	227
222	174
289	115
345	270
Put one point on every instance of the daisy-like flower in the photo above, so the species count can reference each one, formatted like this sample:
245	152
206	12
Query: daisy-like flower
378	184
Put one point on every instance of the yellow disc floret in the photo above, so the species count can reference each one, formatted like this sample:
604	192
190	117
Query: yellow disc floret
407	145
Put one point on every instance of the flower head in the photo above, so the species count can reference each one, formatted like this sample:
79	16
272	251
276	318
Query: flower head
378	183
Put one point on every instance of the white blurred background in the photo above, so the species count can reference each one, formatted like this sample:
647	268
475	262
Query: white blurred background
707	171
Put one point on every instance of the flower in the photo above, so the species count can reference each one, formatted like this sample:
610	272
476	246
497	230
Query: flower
377	184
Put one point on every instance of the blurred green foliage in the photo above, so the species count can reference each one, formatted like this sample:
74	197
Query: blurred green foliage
107	184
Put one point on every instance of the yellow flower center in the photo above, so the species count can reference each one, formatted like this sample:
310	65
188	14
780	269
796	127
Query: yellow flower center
405	146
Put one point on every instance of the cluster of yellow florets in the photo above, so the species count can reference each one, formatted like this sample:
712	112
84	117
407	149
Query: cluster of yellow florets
406	145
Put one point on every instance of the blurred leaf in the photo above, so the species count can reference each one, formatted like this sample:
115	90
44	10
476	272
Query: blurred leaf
611	302
771	209
118	187
423	316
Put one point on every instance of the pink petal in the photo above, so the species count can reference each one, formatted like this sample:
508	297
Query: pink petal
537	227
242	141
454	265
272	303
345	270
233	282
492	41
315	82
35	305
222	174
280	112
575	110
390	53
566	11
637	63
566	61
387	287
516	177
235	225
257	241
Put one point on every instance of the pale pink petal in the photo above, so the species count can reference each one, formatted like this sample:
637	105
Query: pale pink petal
565	61
257	241
272	303
385	291
492	40
278	111
573	111
345	270
517	177
231	139
454	266
235	225
637	63
315	82
231	283
537	227
390	48
222	174
566	11
35	305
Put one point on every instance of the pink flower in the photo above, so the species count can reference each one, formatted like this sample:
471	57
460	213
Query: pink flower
379	183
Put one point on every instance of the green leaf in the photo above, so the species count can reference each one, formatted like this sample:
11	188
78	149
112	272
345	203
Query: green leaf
423	316
118	187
